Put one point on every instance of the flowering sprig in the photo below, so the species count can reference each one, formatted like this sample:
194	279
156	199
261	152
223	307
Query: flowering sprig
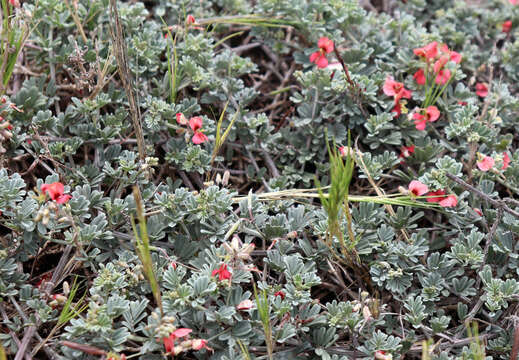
326	46
434	74
195	123
56	192
398	91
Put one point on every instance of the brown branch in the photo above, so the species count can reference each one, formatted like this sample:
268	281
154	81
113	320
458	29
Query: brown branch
500	204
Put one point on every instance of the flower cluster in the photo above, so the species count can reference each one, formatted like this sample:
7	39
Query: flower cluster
422	116
185	345
416	188
435	56
319	57
398	91
56	192
195	123
486	163
222	272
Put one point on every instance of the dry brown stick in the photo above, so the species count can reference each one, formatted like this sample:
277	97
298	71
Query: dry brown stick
116	33
12	333
50	353
514	355
500	204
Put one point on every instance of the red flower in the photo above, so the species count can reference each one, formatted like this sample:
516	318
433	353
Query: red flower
281	294
199	344
430	114
326	46
443	76
222	272
406	151
417	188
481	89
452	55
397	109
199	138
462	103
506	26
428	52
169	342
190	19
195	123
381	355
514	2
15	3
419	76
173	265
396	89
55	192
440	63
181	119
449	201
436	196
506	161
486	163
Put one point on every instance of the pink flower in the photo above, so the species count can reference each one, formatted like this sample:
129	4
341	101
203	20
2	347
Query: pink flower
397	109
190	19
63	199
419	76
381	355
440	63
169	342
55	192
419	121
195	123
343	150
181	119
326	46
436	196
451	55
199	138
396	89
182	332
406	151
319	59
506	161
222	272
15	3
244	305
428	52
443	76
199	344
506	26
417	188
281	294
514	2
481	89
486	163
173	265
430	114
449	201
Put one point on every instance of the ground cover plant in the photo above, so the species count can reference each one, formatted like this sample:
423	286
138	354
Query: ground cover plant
259	179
